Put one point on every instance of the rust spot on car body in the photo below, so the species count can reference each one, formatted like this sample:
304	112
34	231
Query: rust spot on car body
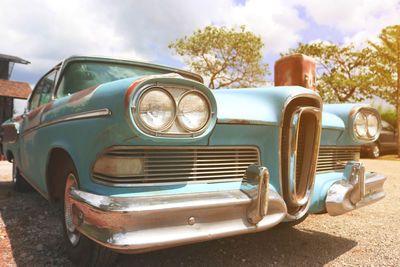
134	85
35	112
79	95
48	106
238	122
18	118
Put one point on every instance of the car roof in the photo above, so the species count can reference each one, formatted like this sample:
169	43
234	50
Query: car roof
187	74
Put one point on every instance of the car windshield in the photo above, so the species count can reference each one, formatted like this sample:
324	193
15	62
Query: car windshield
83	75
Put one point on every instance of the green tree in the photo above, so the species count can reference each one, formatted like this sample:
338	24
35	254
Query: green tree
227	57
386	68
343	73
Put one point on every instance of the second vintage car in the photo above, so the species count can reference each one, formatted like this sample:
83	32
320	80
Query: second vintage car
145	157
386	143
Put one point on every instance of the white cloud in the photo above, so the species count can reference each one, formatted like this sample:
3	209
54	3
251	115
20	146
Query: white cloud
357	20
277	22
46	31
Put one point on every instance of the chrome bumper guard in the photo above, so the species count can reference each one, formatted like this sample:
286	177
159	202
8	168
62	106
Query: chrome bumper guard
356	190
140	224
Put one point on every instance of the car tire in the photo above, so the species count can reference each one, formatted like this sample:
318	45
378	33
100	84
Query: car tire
19	184
80	249
375	151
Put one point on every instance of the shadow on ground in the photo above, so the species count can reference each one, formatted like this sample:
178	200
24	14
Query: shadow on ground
283	246
34	229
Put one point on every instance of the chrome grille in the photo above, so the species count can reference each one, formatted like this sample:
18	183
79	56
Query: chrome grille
182	164
335	158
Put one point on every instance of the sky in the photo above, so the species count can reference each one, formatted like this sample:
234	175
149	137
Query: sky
45	32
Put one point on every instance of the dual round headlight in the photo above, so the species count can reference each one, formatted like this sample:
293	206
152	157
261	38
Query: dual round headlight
366	125
158	110
193	111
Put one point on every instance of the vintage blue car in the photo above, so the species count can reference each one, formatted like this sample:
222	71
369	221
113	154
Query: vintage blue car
145	157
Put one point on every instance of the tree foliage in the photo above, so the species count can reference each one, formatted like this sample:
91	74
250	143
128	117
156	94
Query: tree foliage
343	73
227	57
386	67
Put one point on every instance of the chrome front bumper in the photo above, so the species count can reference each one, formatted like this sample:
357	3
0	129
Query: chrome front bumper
139	224
356	190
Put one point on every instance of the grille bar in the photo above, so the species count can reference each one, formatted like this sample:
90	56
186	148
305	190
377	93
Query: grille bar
332	158
181	164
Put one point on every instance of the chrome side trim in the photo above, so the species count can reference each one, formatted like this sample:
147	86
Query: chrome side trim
78	116
354	191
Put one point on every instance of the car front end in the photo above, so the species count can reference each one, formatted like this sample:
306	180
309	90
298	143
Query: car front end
224	163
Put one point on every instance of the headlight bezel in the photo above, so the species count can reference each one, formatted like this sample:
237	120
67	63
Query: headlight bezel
367	113
174	129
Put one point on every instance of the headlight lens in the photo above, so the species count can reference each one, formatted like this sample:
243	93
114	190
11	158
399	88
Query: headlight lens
373	125
193	111
360	125
156	109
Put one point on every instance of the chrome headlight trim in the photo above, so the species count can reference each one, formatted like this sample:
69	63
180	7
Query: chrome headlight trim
371	120
373	124
360	125
180	114
174	128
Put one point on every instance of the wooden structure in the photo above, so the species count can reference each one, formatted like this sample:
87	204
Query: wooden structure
9	90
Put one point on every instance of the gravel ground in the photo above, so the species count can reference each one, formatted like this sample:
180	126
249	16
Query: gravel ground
30	235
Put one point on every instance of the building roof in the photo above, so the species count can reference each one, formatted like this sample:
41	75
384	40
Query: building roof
15	89
14	59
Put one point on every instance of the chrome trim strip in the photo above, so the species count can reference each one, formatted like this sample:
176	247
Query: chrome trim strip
78	116
245	122
166	183
304	188
311	96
